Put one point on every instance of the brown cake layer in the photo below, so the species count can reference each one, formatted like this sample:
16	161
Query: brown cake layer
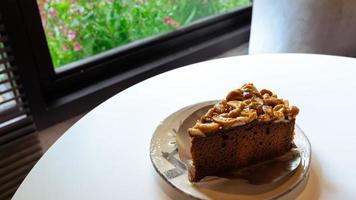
238	147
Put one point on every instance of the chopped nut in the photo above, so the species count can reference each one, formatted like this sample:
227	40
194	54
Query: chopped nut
210	112
293	111
235	104
267	110
247	102
234	113
195	132
266	96
265	91
259	100
206	119
286	103
257	94
224	115
264	117
224	121
249	86
259	110
221	107
240	121
235	95
207	127
269	102
251	114
272	101
279	107
253	105
278	116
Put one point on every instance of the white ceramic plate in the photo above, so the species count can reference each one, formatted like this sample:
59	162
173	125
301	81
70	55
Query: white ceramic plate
287	184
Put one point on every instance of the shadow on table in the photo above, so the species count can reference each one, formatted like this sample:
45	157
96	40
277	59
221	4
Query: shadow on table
309	190
316	180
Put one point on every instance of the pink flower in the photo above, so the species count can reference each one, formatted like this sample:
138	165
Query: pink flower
65	48
71	35
168	20
52	12
76	46
64	29
109	1
50	33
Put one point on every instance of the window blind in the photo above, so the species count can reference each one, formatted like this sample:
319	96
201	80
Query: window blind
19	144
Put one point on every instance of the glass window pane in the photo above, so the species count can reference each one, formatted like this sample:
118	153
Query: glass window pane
76	29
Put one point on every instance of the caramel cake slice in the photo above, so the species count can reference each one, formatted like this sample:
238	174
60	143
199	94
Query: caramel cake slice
246	127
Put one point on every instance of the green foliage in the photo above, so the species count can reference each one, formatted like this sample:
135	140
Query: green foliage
76	29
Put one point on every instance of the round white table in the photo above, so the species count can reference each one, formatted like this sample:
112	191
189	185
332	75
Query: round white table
105	155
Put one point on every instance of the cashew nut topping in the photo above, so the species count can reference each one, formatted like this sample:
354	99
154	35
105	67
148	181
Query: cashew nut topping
242	106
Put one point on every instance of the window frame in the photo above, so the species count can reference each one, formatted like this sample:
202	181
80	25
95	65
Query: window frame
54	95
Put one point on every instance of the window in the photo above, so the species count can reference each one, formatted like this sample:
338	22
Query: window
69	60
80	28
45	79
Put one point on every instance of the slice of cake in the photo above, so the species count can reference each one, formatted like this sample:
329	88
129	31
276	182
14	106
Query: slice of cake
246	127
